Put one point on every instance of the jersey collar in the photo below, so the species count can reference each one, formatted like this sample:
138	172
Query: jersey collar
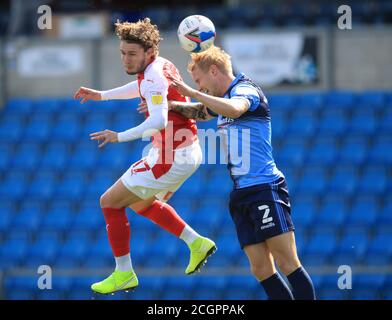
234	82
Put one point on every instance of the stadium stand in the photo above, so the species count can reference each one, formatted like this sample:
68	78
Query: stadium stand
339	183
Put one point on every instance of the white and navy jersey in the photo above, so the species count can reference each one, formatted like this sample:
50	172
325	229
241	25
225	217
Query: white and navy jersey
247	139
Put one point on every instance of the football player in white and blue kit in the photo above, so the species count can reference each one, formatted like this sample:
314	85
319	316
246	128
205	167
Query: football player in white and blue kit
259	201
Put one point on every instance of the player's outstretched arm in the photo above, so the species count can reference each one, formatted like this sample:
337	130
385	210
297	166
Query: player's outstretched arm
87	94
189	110
128	91
231	108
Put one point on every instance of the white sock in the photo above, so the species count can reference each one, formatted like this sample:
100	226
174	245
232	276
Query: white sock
124	263
189	235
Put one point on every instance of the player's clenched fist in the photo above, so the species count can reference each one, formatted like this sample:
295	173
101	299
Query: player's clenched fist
104	137
87	94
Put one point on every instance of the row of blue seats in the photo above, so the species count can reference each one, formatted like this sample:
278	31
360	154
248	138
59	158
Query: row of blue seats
367	286
359	127
370	184
267	14
80	250
335	99
108	115
292	153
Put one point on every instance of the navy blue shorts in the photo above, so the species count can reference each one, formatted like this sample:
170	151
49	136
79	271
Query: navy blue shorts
261	212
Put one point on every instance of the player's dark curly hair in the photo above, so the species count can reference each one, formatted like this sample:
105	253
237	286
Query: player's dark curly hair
142	32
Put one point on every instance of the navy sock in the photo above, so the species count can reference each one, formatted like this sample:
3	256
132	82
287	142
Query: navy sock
276	288
302	285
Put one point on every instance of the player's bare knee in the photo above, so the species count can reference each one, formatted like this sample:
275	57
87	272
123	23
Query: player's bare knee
104	201
289	265
262	272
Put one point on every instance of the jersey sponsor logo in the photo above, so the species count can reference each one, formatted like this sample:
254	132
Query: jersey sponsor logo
266	220
156	97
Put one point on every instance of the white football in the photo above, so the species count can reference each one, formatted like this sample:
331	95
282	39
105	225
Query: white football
196	33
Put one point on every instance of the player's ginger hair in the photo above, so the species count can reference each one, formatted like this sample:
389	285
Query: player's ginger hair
212	56
142	32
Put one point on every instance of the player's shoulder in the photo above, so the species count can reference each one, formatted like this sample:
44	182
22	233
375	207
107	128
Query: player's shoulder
244	88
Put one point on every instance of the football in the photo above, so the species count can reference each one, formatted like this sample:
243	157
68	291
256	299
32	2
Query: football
196	33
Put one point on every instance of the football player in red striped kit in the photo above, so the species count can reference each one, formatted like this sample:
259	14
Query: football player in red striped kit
176	154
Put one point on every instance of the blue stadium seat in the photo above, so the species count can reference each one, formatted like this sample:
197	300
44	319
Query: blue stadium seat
11	128
19	106
48	236
363	121
88	219
385	123
363	212
158	258
304	211
350	250
6	153
71	253
178	288
20	295
239	288
209	288
292	152
41	189
99	254
70	188
47	105
57	219
13	187
329	289
12	253
213	207
373	180
303	122
18	284
5	220
344	180
323	152
385	217
192	186
380	153
151	288
353	150
281	101
38	130
228	254
372	282
81	285
96	122
42	252
28	221
313	181
312	101
115	157
340	99
333	121
67	128
84	157
319	248
27	156
55	156
379	252
278	127
332	213
127	119
99	183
